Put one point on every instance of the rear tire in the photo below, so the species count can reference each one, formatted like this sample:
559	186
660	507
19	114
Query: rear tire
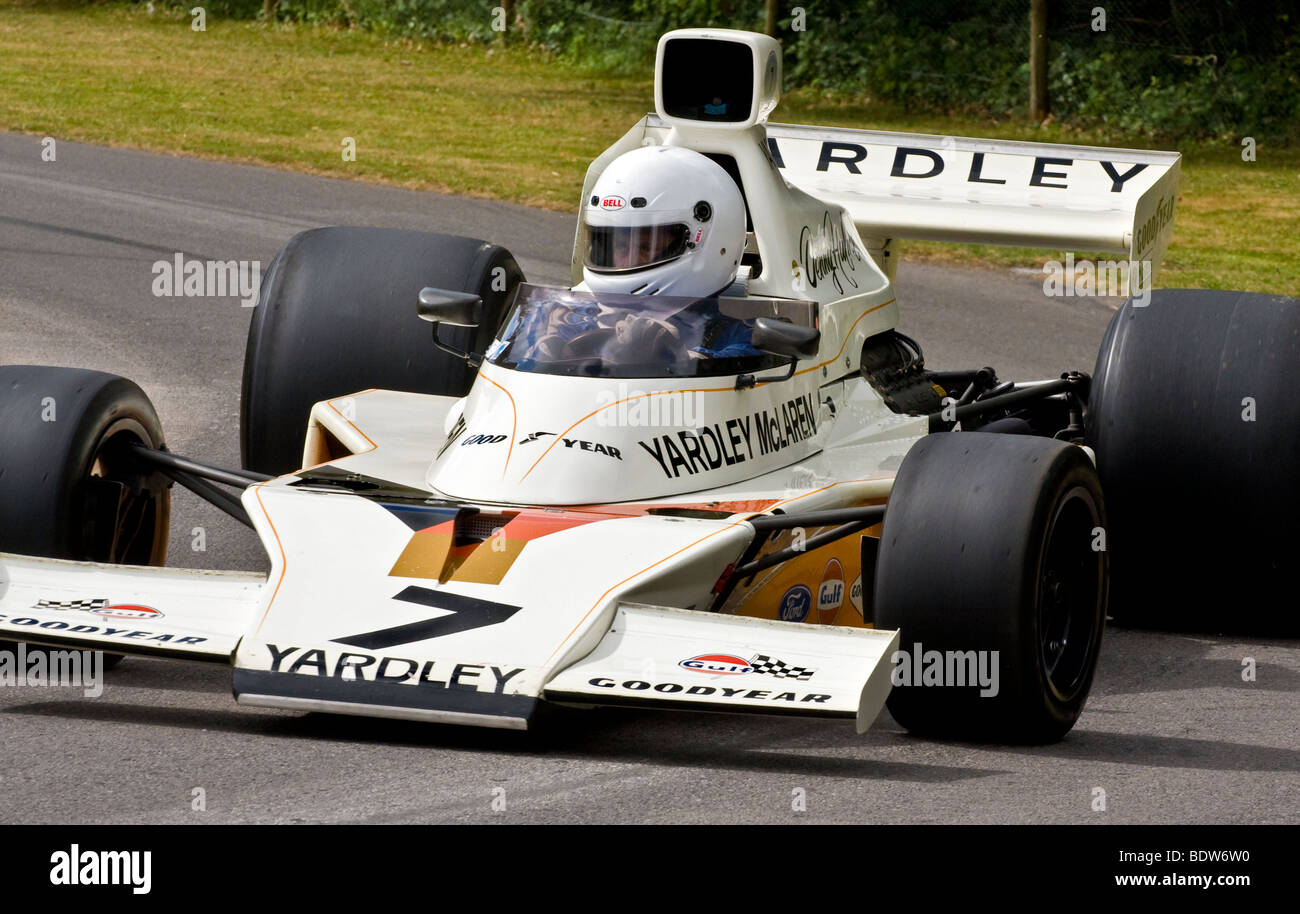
69	487
1195	421
337	314
987	546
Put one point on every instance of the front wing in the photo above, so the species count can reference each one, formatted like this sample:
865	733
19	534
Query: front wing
345	624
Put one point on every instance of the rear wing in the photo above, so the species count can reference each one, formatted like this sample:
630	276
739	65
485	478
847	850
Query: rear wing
942	188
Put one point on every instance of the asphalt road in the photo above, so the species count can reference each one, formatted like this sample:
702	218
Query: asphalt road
1171	734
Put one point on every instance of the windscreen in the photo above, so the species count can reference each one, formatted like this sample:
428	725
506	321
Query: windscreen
559	331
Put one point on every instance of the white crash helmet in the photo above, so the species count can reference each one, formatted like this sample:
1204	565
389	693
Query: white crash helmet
663	220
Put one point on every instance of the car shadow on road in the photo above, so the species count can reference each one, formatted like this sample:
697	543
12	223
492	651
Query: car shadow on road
1171	752
1146	750
684	739
168	676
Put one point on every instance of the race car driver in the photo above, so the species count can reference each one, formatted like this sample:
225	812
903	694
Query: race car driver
661	221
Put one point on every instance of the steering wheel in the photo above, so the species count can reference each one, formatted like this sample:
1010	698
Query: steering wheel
588	344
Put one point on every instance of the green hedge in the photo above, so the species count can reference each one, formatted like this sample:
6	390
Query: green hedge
440	20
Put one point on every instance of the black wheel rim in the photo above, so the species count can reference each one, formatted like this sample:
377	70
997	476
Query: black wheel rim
1070	592
120	504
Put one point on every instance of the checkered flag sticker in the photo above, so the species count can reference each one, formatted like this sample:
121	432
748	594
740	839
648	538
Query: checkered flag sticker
75	605
770	666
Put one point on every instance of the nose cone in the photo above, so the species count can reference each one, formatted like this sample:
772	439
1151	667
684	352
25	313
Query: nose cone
544	440
539	439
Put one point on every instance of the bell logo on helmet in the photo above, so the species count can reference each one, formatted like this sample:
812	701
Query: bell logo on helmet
612	203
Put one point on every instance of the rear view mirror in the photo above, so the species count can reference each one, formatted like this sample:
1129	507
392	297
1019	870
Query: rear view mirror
794	341
459	309
781	338
443	306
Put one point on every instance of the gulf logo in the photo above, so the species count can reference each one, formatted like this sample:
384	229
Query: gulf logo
830	595
718	664
128	611
612	203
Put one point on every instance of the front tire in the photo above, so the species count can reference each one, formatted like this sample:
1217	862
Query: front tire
988	547
69	485
337	315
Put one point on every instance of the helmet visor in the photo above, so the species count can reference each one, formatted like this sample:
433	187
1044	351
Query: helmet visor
616	249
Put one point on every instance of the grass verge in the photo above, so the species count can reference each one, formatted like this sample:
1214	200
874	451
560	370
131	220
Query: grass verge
506	123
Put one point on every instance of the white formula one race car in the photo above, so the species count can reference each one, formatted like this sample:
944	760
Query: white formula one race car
711	475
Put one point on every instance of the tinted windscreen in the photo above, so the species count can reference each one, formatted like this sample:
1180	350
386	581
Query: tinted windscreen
559	331
708	80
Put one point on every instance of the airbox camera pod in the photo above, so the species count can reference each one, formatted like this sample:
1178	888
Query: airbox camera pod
718	78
